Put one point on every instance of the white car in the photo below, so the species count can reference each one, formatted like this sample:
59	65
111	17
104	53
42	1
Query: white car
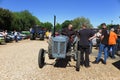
2	39
94	42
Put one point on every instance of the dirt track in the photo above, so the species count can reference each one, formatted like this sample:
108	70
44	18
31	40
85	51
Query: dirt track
18	61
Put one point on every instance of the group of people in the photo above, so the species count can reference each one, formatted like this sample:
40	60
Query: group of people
106	39
84	36
5	33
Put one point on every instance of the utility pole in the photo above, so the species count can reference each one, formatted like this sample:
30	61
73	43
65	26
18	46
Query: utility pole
119	18
54	26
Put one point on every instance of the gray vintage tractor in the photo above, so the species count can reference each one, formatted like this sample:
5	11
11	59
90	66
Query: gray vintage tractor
57	49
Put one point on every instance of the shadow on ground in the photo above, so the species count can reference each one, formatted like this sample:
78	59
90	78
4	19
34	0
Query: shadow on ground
117	64
118	53
62	63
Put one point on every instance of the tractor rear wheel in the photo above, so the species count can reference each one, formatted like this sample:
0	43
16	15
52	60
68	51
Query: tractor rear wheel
78	61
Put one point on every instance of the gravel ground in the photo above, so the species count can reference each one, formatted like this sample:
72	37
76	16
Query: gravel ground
18	61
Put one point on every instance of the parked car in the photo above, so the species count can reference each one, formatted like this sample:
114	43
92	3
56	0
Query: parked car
8	39
19	37
10	34
2	39
23	36
27	33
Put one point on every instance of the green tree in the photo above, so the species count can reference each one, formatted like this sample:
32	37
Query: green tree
58	27
17	21
99	27
47	25
108	26
6	18
42	24
66	23
24	20
77	22
37	21
27	20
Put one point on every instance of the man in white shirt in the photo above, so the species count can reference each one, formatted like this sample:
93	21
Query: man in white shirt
15	35
98	34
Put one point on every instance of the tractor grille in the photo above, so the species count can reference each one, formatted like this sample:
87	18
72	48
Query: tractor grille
55	47
59	47
62	47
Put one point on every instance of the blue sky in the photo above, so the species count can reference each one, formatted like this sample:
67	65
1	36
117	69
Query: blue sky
97	11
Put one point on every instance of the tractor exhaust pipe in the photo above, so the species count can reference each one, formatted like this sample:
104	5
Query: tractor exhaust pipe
54	30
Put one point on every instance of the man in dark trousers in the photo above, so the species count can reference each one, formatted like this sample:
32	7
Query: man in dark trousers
69	32
103	45
85	36
15	35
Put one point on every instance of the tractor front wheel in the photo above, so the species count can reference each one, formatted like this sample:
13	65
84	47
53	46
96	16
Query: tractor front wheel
41	58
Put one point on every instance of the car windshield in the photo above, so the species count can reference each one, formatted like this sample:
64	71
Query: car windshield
1	34
10	34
